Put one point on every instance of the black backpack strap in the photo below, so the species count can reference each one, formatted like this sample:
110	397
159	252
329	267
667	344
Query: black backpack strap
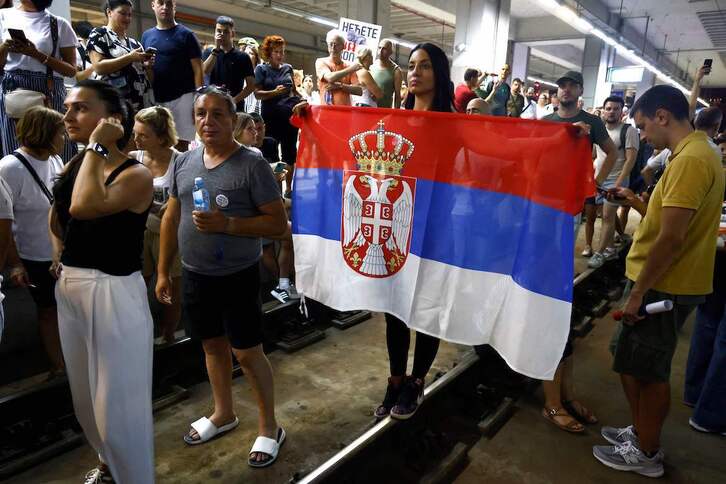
115	173
48	70
35	176
623	135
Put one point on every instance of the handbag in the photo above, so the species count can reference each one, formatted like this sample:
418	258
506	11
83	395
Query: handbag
35	176
18	101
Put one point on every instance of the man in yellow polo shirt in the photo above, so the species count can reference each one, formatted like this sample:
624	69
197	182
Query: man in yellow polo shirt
672	258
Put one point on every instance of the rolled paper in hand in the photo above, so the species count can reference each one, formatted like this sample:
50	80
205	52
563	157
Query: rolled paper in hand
652	308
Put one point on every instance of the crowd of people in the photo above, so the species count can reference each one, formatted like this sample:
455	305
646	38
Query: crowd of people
96	205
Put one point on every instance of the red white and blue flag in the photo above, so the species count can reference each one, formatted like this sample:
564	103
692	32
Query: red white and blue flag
461	226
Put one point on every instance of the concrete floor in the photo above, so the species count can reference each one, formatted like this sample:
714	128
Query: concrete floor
327	392
530	450
326	395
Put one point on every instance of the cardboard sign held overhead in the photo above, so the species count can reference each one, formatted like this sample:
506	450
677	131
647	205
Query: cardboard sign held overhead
359	33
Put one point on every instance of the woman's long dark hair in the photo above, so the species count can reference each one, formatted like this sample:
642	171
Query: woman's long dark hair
115	105
443	88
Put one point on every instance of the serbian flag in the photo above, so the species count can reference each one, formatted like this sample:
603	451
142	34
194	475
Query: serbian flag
461	226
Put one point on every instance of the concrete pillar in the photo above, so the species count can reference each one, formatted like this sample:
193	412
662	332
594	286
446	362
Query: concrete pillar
376	12
520	61
61	8
482	35
597	58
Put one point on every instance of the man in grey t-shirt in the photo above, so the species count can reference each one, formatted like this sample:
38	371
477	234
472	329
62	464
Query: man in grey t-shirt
220	250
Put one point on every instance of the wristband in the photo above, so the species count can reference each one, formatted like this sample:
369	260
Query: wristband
47	58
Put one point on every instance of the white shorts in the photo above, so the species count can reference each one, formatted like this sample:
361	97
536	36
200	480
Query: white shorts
183	110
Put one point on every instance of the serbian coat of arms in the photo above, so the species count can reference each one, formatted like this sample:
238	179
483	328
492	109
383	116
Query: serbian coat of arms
377	204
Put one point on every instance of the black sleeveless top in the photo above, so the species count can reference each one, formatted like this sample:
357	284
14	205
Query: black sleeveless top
112	244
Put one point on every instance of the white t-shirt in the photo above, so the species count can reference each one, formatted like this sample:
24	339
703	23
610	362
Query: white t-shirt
161	188
544	111
530	109
30	205
6	213
660	160
36	26
632	140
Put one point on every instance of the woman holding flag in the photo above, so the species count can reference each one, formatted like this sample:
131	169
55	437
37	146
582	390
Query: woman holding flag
430	89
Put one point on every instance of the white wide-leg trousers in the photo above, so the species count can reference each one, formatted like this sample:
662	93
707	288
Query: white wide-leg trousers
106	333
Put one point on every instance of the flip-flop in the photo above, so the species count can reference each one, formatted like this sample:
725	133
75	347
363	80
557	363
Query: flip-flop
574	426
207	431
586	416
266	445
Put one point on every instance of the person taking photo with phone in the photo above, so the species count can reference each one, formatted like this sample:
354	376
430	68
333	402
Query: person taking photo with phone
38	49
120	60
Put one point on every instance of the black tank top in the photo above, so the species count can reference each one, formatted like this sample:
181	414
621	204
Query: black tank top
112	244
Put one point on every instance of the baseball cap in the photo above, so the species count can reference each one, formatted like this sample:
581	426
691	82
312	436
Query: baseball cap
573	76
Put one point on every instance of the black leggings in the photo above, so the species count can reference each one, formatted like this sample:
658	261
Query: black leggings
398	339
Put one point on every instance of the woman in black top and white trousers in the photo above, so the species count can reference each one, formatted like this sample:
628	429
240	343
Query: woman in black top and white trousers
101	204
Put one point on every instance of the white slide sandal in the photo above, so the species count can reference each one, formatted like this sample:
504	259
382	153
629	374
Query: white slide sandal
208	431
266	445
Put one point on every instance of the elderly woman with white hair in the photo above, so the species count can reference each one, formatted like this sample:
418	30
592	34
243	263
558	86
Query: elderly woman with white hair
337	80
371	91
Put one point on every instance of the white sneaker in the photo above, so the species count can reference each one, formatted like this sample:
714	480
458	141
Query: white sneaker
280	294
98	476
596	261
695	426
587	252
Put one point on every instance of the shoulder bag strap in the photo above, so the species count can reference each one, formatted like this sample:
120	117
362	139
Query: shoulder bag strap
48	70
35	176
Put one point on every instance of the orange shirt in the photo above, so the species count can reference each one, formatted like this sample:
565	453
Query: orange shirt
340	97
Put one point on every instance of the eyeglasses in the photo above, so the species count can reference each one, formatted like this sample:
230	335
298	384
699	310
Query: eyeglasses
211	88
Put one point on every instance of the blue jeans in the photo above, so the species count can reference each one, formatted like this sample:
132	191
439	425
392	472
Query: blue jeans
706	371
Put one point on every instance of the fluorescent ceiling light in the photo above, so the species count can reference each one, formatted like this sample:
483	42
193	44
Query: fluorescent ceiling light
322	21
287	11
541	81
402	43
570	17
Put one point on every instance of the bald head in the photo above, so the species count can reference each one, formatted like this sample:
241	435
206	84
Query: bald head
477	106
385	50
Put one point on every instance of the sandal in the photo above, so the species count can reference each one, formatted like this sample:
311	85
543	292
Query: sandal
580	412
207	431
573	426
268	446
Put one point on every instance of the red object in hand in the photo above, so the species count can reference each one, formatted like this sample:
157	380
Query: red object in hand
617	315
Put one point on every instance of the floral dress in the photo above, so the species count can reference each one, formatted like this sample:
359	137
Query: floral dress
130	80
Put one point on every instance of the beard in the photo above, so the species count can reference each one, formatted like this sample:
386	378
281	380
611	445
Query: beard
568	104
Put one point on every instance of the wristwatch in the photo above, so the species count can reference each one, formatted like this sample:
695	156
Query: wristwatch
99	149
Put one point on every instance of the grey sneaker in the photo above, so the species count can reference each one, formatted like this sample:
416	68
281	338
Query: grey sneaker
596	261
628	457
617	436
610	253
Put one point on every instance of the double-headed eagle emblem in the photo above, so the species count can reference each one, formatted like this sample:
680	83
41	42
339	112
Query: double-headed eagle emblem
377	204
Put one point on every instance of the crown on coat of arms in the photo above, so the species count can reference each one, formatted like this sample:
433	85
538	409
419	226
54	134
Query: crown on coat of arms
380	159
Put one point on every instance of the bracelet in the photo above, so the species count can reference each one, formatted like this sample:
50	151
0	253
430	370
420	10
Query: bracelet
47	58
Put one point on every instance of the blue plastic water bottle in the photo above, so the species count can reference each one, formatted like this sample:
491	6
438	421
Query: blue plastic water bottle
328	98
201	195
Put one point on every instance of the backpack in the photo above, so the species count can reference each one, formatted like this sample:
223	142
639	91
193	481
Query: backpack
645	150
